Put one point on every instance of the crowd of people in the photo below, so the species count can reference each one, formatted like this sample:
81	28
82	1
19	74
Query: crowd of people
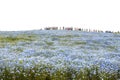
76	29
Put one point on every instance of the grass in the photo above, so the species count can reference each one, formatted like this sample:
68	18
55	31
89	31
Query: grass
72	43
46	73
17	50
12	40
111	48
17	38
8	39
79	43
49	43
66	36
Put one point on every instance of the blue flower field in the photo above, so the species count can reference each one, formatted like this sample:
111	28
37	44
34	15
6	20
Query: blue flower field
59	55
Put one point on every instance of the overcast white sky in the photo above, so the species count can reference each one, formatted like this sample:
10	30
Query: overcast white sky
34	14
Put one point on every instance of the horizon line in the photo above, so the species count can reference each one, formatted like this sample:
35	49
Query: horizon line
67	28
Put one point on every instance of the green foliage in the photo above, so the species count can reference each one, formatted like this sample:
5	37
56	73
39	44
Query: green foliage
60	74
79	43
12	40
111	48
8	38
72	43
49	43
66	36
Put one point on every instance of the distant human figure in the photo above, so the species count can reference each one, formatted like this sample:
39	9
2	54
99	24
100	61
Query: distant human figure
108	32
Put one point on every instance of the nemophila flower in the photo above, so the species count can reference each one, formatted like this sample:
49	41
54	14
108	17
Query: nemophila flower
30	51
37	53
